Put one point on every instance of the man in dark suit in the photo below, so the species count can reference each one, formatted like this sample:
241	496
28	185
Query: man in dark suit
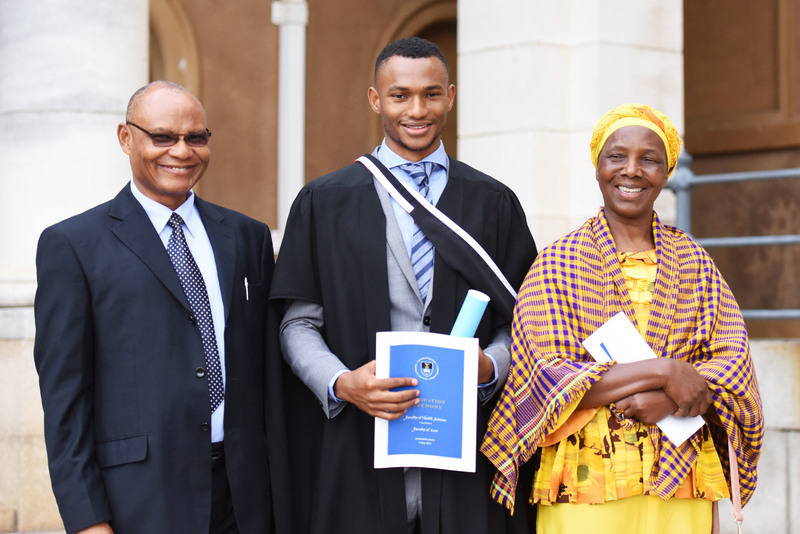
155	352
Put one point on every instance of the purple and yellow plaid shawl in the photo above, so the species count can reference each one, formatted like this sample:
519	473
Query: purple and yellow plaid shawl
574	286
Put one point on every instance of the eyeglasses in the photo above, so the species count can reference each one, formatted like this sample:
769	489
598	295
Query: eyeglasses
196	140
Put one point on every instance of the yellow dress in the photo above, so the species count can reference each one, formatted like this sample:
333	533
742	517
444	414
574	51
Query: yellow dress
593	459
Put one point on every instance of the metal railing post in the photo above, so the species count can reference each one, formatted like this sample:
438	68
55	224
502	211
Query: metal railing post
681	185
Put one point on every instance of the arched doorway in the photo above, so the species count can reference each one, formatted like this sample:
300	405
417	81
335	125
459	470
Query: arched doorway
173	47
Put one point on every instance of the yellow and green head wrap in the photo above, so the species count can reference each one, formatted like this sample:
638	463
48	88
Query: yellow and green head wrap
637	115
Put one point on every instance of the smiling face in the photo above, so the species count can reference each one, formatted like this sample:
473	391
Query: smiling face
412	97
165	174
631	171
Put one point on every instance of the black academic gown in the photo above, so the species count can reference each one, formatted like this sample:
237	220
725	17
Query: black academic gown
334	254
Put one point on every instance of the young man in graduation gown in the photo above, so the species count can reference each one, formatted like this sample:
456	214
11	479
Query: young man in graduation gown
345	272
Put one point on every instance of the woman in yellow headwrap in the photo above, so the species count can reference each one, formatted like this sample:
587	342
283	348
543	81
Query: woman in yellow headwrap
605	465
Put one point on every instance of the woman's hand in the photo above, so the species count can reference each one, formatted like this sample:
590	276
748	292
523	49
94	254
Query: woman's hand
686	387
649	407
679	380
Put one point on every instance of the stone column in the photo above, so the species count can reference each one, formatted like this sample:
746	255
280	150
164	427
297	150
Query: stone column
292	18
534	77
67	70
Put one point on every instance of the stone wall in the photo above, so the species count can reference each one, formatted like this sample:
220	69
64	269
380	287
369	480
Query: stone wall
534	78
26	500
775	506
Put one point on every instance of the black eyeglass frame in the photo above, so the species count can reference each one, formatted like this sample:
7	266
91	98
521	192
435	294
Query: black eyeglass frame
171	139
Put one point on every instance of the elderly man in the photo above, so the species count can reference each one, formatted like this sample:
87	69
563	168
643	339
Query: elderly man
154	348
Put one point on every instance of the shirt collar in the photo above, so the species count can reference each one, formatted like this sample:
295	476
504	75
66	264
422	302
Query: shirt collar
159	214
390	159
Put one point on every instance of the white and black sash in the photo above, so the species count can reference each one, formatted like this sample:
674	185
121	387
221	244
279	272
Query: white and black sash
454	245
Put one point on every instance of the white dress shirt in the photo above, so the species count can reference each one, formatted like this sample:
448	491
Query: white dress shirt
200	247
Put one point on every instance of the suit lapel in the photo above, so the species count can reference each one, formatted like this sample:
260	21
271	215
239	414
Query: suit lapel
395	242
136	232
223	242
374	269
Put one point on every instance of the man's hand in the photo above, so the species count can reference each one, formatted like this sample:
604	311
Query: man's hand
649	407
99	528
372	396
485	368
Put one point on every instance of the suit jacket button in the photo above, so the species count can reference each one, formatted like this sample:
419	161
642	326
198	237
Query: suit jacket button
199	372
205	427
426	320
192	319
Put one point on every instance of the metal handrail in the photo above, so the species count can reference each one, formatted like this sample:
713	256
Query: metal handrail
749	240
682	183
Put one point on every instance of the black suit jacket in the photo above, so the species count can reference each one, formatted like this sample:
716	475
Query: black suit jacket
126	414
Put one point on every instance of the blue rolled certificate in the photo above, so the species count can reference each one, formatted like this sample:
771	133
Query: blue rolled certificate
470	315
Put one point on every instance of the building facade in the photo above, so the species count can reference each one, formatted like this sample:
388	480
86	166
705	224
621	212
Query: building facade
285	85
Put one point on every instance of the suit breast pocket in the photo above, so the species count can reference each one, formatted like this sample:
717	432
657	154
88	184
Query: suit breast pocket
121	451
252	288
251	293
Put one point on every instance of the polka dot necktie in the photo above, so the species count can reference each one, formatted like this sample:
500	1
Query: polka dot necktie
421	246
195	289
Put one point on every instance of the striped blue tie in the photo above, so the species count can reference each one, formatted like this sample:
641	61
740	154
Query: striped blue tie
421	247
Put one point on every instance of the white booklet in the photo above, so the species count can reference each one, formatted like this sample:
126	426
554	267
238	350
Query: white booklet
619	340
440	431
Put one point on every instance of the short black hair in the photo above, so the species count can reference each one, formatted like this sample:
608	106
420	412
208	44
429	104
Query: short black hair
411	47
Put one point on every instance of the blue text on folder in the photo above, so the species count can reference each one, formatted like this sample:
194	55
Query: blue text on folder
434	425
